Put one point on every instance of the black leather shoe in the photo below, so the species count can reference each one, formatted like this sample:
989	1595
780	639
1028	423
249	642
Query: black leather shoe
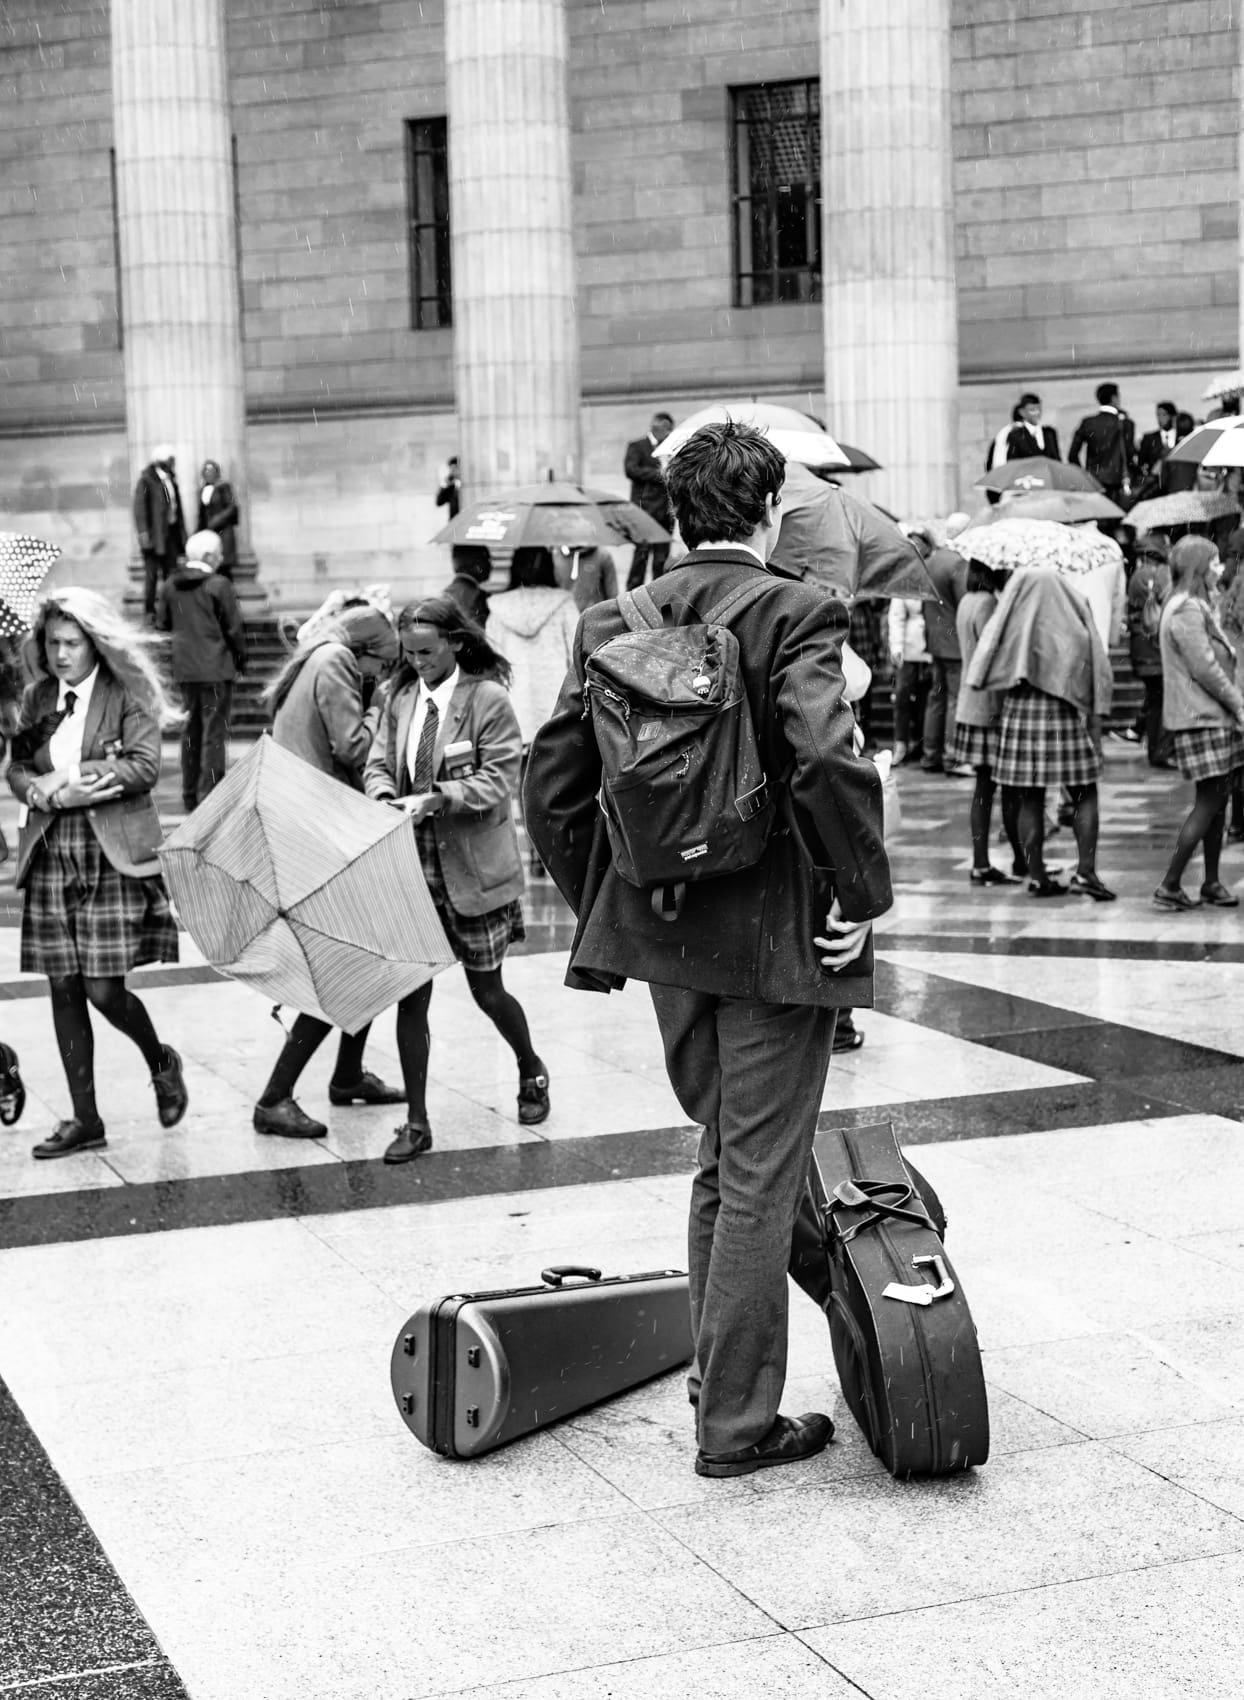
1088	885
172	1099
846	1038
1215	895
991	876
412	1141
533	1098
12	1092
789	1440
367	1089
69	1137
287	1120
1175	898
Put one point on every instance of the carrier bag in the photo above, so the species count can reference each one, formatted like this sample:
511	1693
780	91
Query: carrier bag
473	1371
903	1337
683	789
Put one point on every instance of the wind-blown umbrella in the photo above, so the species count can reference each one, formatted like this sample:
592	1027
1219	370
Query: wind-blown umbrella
1019	544
797	435
833	537
551	516
1065	507
292	883
24	563
1185	507
1037	473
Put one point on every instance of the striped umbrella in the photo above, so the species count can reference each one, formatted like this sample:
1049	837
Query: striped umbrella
292	883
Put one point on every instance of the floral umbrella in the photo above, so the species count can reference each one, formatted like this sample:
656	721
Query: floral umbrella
1185	507
1016	544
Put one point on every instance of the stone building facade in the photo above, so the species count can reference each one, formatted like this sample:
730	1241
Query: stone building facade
1095	215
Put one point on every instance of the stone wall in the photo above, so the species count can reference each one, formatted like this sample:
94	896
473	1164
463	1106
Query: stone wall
1096	180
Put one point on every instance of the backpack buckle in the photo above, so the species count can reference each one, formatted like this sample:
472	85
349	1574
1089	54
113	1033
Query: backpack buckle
753	803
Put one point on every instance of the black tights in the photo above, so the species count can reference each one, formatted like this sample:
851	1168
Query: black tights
414	1043
1204	826
305	1038
72	997
1085	823
982	814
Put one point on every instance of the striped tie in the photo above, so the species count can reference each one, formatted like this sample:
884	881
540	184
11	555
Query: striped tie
421	781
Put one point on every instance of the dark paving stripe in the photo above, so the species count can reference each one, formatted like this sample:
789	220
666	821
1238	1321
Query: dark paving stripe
65	1615
1121	950
321	1189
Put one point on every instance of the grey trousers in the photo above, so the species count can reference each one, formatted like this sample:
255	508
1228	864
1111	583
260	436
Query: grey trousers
753	1075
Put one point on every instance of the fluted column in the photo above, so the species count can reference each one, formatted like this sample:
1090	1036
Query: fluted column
516	334
891	328
182	338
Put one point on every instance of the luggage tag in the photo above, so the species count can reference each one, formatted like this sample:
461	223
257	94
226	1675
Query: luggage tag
459	760
923	1295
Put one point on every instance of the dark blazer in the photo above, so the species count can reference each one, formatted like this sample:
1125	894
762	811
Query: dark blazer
648	481
1021	445
156	534
121	737
475	835
1107	441
746	935
949	572
209	638
220	515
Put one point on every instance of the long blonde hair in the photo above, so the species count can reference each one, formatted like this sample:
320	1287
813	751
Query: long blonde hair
122	649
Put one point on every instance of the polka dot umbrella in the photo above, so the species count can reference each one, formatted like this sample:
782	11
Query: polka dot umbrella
24	563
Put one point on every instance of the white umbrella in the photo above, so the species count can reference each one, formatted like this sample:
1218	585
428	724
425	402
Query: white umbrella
1227	448
797	435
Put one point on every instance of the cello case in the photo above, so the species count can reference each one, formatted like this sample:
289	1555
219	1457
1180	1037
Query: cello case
903	1337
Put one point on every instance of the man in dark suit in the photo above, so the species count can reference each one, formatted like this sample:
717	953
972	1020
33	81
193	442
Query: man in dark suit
1107	440
648	492
218	512
750	972
1028	436
1156	445
160	523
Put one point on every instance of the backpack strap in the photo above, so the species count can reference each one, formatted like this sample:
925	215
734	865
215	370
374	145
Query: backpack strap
737	601
639	610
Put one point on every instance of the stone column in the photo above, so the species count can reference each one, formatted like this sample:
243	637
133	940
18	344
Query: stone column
181	330
516	334
891	327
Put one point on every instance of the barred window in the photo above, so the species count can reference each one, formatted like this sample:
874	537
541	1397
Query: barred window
427	178
776	160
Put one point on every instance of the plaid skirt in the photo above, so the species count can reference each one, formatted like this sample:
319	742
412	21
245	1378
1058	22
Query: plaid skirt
1208	752
83	917
1043	741
975	746
478	941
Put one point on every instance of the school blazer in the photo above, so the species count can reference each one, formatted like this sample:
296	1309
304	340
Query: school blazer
121	737
475	835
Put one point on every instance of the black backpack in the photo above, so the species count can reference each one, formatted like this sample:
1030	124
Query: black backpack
683	789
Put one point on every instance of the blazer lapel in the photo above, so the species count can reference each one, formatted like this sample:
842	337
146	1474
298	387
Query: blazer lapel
449	728
95	717
401	735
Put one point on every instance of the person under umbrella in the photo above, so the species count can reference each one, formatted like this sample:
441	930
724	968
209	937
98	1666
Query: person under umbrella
317	703
977	719
447	751
1203	707
86	757
1043	649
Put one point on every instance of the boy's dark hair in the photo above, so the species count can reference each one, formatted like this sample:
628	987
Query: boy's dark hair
1107	394
1166	407
718	482
475	653
1028	397
1185	424
472	560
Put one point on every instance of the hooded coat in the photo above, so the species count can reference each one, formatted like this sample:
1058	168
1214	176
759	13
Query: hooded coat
534	629
200	608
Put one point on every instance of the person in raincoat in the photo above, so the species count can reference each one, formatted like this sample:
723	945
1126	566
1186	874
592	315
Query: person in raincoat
318	714
1042	648
533	625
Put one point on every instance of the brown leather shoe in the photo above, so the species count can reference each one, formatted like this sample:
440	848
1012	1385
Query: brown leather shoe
287	1120
69	1137
789	1440
412	1140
